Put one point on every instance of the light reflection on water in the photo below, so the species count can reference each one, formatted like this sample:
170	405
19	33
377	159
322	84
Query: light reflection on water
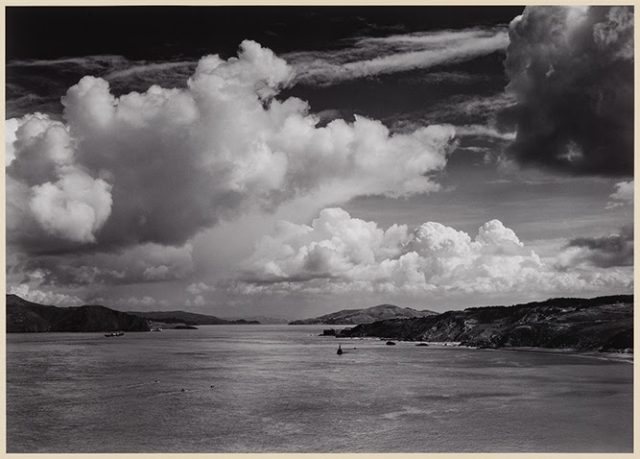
283	389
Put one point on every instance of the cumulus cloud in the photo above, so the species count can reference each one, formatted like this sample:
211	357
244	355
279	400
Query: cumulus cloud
11	126
157	167
198	301
339	253
571	72
64	199
35	295
371	56
74	207
622	195
604	252
198	288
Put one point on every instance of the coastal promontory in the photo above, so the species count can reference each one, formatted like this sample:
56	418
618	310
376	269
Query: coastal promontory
602	323
25	316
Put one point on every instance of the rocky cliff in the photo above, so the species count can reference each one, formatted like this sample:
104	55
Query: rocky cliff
603	323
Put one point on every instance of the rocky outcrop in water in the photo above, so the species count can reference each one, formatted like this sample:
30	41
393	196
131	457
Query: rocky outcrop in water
603	323
25	316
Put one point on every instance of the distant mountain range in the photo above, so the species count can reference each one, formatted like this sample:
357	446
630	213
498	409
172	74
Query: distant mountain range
603	323
365	316
25	316
189	318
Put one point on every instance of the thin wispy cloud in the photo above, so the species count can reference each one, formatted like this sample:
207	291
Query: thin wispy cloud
479	130
462	109
364	57
86	62
473	116
183	68
369	57
38	84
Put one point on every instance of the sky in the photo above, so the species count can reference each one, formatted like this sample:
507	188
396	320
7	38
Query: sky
294	161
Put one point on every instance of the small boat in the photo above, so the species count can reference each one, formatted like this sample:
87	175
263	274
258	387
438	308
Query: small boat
157	329
118	333
339	350
390	343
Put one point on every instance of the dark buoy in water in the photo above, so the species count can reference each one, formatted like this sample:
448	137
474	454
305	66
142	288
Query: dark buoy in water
339	350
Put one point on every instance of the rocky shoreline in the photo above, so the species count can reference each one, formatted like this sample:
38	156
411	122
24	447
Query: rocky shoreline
603	324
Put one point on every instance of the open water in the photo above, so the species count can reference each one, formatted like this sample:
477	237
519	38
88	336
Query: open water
283	389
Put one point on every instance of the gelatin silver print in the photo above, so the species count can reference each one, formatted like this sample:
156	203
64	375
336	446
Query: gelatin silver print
319	229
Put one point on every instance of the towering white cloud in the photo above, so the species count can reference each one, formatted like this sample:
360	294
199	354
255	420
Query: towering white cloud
64	198
159	166
340	253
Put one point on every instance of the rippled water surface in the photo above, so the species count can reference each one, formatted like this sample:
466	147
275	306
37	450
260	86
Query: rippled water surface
283	389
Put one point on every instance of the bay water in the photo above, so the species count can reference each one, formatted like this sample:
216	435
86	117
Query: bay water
280	388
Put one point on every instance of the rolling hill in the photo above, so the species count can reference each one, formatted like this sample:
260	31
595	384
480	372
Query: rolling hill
365	316
25	316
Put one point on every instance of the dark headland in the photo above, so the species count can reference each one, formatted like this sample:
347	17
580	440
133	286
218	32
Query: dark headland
602	324
25	316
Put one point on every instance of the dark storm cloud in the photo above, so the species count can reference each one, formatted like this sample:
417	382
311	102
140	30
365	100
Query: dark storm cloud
571	70
603	252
